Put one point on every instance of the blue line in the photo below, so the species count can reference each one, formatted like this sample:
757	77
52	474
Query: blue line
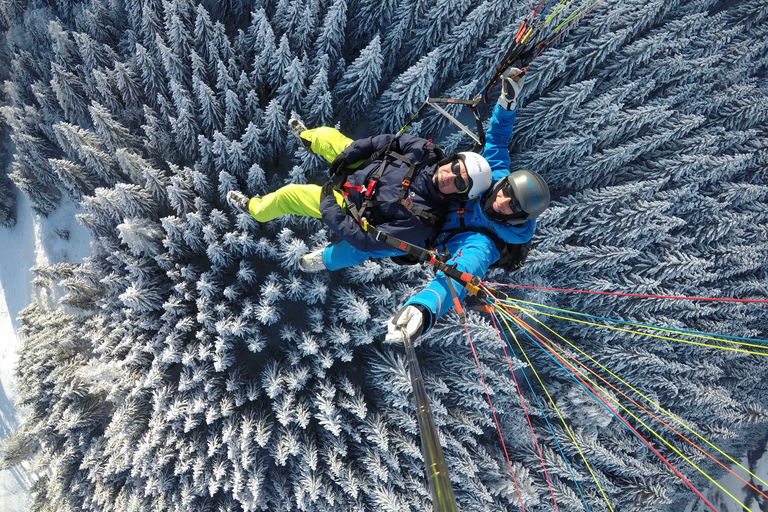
519	364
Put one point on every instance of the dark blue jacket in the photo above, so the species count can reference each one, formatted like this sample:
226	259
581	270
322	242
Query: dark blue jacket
384	211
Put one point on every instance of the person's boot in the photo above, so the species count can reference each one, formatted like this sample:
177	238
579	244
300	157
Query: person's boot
238	200
312	262
297	127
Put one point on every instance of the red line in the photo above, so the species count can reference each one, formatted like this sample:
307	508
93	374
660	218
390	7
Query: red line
618	416
677	297
525	409
538	8
493	412
670	427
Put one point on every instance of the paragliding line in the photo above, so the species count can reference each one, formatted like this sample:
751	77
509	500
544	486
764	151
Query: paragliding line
566	354
642	296
565	366
658	336
493	412
528	419
541	409
668	413
492	311
562	420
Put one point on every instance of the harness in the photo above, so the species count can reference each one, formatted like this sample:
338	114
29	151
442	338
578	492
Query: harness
511	256
368	190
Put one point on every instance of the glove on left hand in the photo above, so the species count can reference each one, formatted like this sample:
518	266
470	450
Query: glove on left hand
411	317
512	81
326	190
339	165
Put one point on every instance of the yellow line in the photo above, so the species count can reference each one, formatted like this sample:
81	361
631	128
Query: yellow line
662	329
557	9
577	13
606	393
527	34
655	404
562	420
654	335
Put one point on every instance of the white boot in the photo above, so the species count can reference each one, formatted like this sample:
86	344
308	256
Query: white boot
297	127
238	200
312	261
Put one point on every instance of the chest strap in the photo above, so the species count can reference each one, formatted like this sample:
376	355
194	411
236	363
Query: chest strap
460	211
403	199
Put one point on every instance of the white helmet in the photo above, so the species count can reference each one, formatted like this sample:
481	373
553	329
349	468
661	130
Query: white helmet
479	172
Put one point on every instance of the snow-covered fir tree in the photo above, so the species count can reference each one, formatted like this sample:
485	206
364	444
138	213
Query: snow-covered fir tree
188	365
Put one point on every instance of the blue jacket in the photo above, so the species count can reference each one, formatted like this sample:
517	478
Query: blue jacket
384	211
474	252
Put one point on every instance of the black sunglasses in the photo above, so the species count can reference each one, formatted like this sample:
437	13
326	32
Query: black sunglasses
461	186
514	204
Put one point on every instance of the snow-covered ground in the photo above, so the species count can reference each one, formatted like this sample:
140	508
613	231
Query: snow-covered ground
34	240
737	488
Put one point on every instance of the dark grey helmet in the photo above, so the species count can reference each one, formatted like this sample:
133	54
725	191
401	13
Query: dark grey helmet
529	193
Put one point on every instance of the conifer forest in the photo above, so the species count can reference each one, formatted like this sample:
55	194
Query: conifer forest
188	365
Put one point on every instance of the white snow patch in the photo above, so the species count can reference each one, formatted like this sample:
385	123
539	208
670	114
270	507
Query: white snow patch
724	503
34	240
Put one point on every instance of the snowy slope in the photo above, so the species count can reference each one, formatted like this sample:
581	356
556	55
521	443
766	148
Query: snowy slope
32	241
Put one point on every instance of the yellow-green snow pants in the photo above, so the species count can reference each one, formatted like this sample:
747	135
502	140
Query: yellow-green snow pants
302	199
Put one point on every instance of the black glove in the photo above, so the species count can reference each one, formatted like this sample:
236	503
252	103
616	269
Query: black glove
339	165
326	190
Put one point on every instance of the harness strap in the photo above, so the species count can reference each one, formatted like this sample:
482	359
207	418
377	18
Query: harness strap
403	198
460	211
456	302
354	212
497	241
368	190
429	218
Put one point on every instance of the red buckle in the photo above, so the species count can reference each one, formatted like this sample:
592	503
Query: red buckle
407	201
356	188
369	188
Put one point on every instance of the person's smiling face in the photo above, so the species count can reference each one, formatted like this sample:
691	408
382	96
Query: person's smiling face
505	202
445	177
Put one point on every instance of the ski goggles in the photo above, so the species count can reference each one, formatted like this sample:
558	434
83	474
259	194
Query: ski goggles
462	186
